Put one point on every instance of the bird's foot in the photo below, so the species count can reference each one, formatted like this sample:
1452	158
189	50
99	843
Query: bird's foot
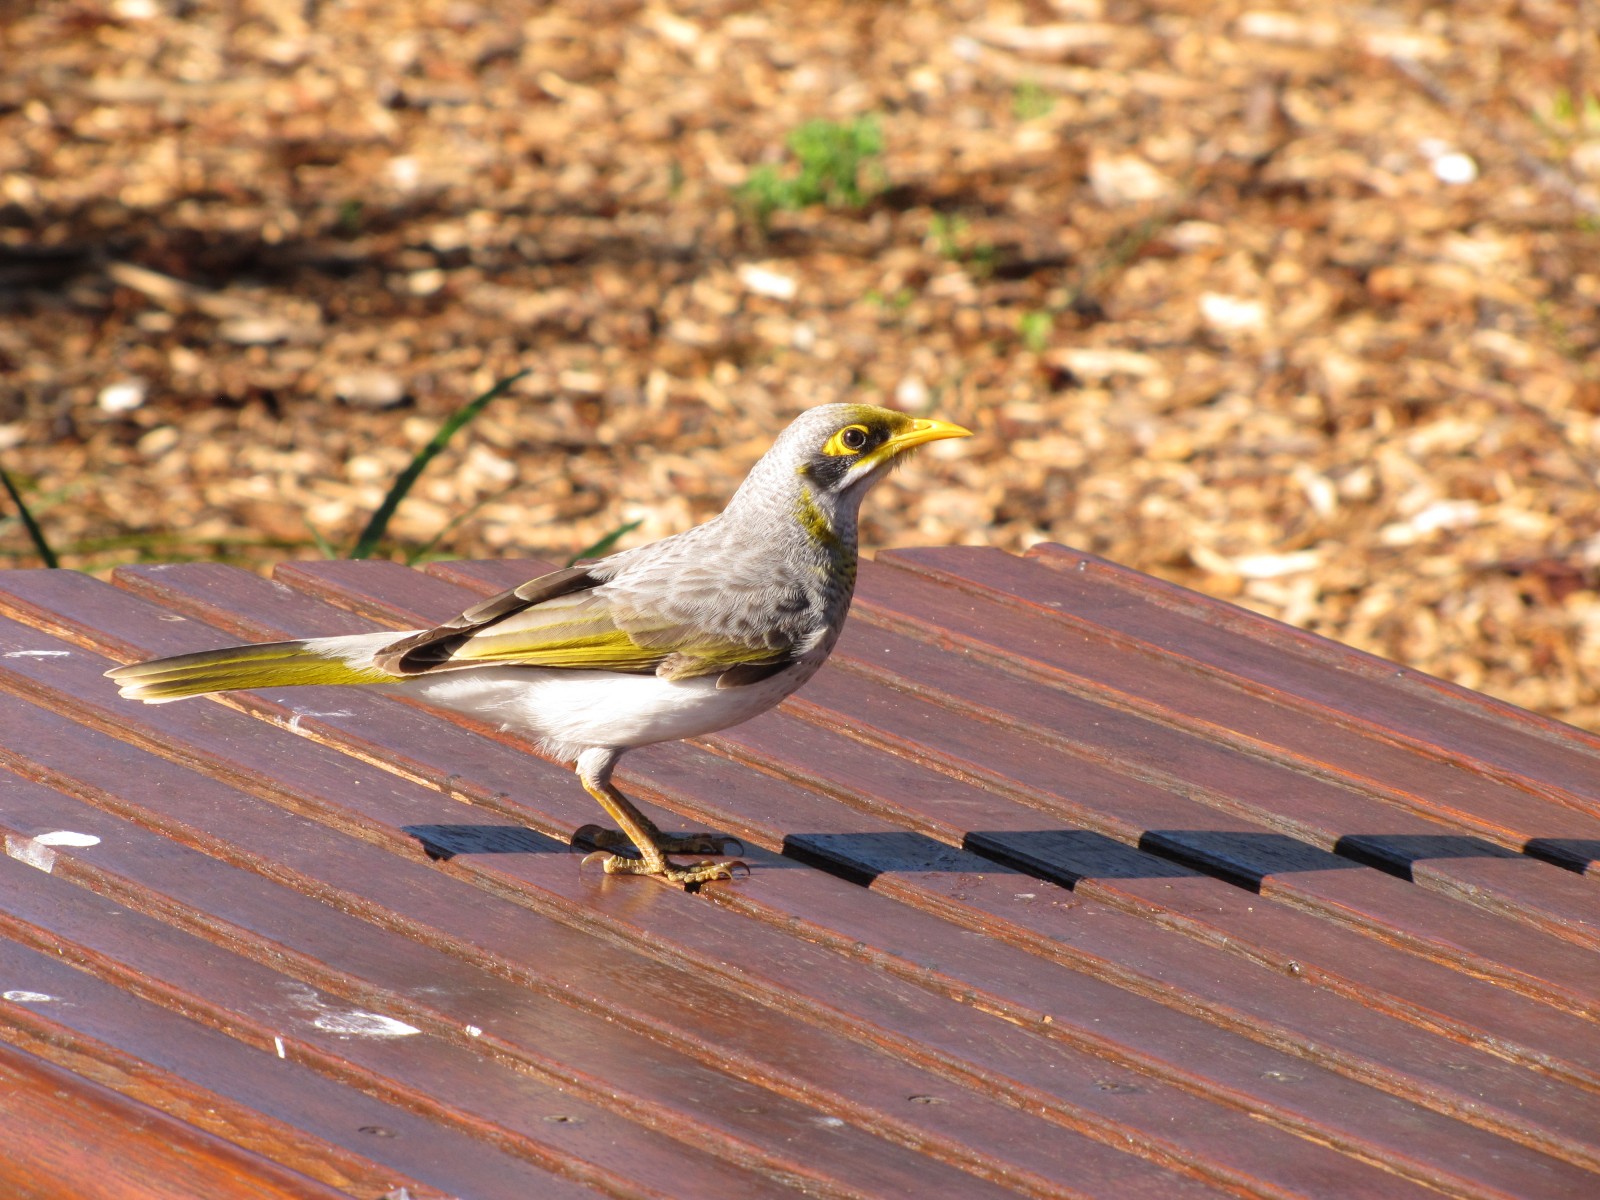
693	875
668	843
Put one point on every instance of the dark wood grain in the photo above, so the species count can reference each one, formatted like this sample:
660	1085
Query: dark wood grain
67	1137
1332	683
741	946
1117	937
634	1081
909	795
497	575
474	920
270	1104
1455	795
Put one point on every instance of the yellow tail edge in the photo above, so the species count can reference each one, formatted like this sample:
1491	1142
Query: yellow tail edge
233	668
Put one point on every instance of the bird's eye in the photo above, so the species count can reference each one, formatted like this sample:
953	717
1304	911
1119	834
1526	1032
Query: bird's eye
852	439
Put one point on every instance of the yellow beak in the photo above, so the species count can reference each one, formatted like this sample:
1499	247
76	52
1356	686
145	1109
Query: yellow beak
922	429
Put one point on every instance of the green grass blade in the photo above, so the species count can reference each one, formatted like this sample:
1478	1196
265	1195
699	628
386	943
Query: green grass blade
373	533
324	547
35	534
604	545
413	557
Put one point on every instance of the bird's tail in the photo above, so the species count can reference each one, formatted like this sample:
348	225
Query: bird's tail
269	664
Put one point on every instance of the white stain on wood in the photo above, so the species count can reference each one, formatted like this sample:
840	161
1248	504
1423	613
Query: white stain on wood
26	850
293	723
38	852
66	837
353	1023
347	1022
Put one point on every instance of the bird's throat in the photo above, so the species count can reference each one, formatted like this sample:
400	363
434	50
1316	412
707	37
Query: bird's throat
819	530
836	548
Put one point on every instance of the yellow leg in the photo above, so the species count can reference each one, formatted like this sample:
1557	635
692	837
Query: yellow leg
594	771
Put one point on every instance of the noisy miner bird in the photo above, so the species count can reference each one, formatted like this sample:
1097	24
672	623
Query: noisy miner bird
688	635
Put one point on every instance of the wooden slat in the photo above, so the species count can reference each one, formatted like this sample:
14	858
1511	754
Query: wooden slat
1163	819
1079	1161
1182	797
248	1095
1364	795
574	1051
901	972
413	588
428	1072
1154	817
1338	686
65	1136
1363	687
1198	1120
1287	941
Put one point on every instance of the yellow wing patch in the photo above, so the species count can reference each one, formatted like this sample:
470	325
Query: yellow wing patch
580	632
600	650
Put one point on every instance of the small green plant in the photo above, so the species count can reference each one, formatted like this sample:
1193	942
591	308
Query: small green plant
948	233
148	545
1569	112
1030	101
348	223
1034	328
41	545
952	239
1567	119
836	164
367	544
898	302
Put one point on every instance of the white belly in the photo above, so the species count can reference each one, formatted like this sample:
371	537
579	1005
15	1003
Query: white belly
567	712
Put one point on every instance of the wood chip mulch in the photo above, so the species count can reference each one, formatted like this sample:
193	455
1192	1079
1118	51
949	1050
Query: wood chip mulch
1293	304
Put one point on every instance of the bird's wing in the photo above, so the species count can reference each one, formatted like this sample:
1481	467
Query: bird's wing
560	620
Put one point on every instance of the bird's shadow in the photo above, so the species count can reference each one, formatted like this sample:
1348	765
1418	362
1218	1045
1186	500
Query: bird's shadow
1246	858
443	842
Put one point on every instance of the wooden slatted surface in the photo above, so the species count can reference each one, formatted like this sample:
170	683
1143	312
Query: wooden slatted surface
1065	882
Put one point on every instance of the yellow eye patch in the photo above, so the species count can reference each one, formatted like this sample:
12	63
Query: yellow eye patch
849	440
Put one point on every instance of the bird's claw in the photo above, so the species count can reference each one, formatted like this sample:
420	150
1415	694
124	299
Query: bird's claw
594	856
668	843
692	875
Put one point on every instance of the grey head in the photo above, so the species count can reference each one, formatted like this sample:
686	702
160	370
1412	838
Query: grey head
779	563
815	475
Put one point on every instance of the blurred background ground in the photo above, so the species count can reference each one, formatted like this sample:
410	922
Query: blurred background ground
1294	303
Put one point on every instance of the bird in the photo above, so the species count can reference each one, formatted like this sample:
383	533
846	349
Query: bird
682	637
